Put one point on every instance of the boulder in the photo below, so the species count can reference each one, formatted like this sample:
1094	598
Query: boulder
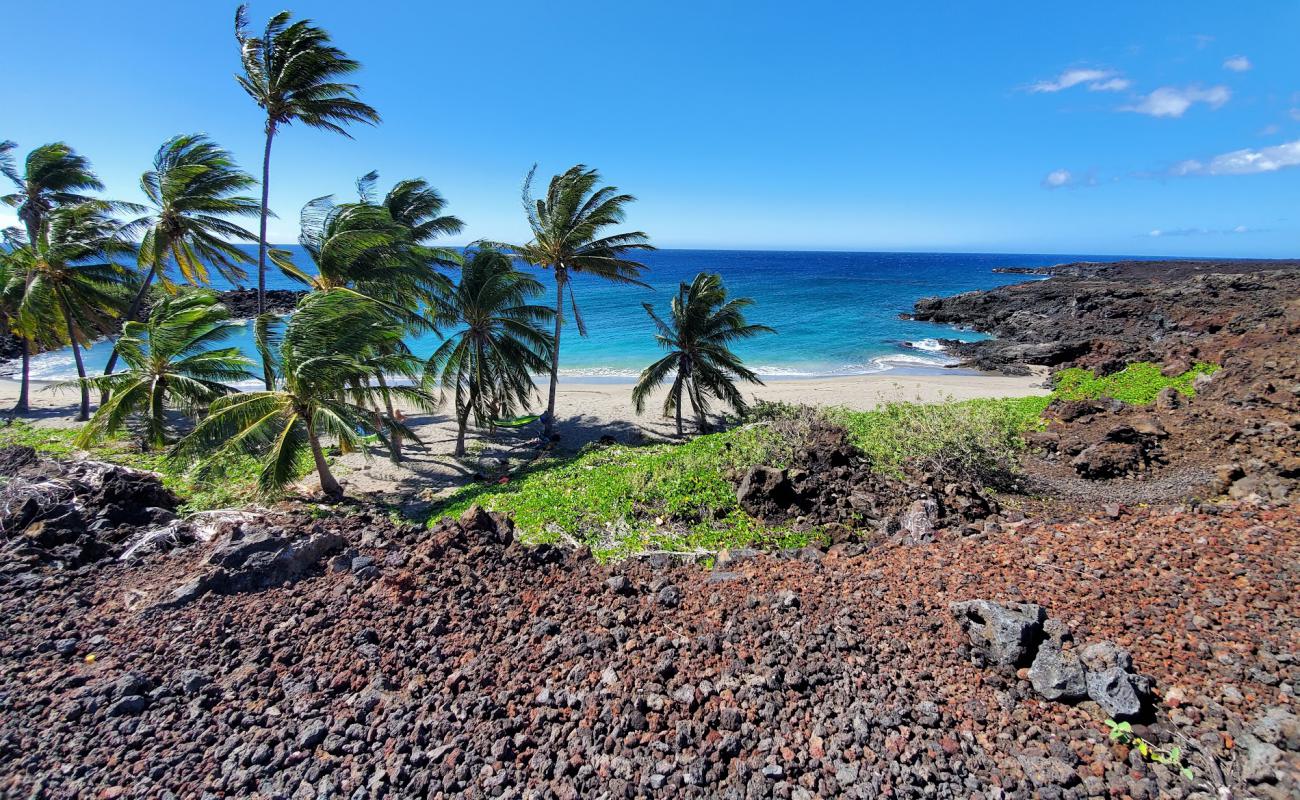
1057	674
1004	635
1108	459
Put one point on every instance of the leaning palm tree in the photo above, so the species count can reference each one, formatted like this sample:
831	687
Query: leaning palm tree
292	72
332	347
193	191
377	251
702	324
53	175
489	362
71	276
567	227
383	252
172	362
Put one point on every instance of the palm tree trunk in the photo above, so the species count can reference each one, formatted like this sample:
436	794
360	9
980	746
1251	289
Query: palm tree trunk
394	436
549	424
462	419
267	377
678	392
83	413
130	316
22	406
701	421
328	484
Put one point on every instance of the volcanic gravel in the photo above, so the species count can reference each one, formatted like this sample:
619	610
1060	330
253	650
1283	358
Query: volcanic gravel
455	662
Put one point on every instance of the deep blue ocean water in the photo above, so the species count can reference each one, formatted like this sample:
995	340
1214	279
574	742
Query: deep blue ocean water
835	313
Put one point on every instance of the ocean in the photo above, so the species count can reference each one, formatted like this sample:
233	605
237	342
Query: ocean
835	313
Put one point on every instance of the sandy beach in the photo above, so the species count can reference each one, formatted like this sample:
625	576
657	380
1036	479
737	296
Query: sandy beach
587	411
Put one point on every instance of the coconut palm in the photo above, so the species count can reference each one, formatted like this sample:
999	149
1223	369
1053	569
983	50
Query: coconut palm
379	250
71	276
487	364
568	237
171	363
331	348
702	324
53	175
292	72
193	190
382	251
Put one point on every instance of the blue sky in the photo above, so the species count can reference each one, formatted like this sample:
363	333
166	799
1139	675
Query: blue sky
1116	127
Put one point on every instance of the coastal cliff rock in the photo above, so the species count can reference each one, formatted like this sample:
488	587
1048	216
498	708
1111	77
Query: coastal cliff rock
1239	435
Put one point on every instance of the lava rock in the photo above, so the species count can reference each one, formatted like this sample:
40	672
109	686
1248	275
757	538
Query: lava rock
1004	635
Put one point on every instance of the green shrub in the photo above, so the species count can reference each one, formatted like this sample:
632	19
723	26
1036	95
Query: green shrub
1137	384
977	440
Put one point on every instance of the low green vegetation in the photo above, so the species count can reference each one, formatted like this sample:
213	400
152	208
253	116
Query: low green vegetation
222	481
1137	384
1172	756
621	500
978	440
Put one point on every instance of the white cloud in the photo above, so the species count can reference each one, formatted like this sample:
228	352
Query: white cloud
1246	161
1169	101
1270	129
1295	114
1158	232
1237	64
1110	85
8	220
1097	80
1057	178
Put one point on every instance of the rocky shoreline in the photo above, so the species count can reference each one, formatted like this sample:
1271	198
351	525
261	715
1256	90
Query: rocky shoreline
1104	315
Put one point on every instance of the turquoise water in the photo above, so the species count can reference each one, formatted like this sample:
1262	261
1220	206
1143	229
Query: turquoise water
835	313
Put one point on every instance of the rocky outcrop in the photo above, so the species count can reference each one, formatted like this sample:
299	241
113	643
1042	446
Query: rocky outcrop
75	512
1011	635
831	484
1103	316
1243	424
242	303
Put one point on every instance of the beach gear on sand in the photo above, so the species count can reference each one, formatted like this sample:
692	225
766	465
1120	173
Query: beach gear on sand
516	422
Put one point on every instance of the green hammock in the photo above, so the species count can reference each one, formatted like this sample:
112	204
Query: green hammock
517	422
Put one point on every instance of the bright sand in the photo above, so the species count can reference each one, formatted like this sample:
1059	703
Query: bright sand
587	411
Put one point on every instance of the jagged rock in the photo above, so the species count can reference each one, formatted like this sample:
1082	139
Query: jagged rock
919	520
766	492
1003	635
1108	460
246	562
1057	674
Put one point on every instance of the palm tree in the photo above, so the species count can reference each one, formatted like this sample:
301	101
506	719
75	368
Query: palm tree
71	277
488	363
192	189
171	363
332	346
292	72
382	251
702	325
53	175
367	249
567	227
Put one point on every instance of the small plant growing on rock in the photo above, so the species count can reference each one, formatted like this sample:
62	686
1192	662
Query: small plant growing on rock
1172	756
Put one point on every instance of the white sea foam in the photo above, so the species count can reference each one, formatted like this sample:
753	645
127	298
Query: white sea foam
928	345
